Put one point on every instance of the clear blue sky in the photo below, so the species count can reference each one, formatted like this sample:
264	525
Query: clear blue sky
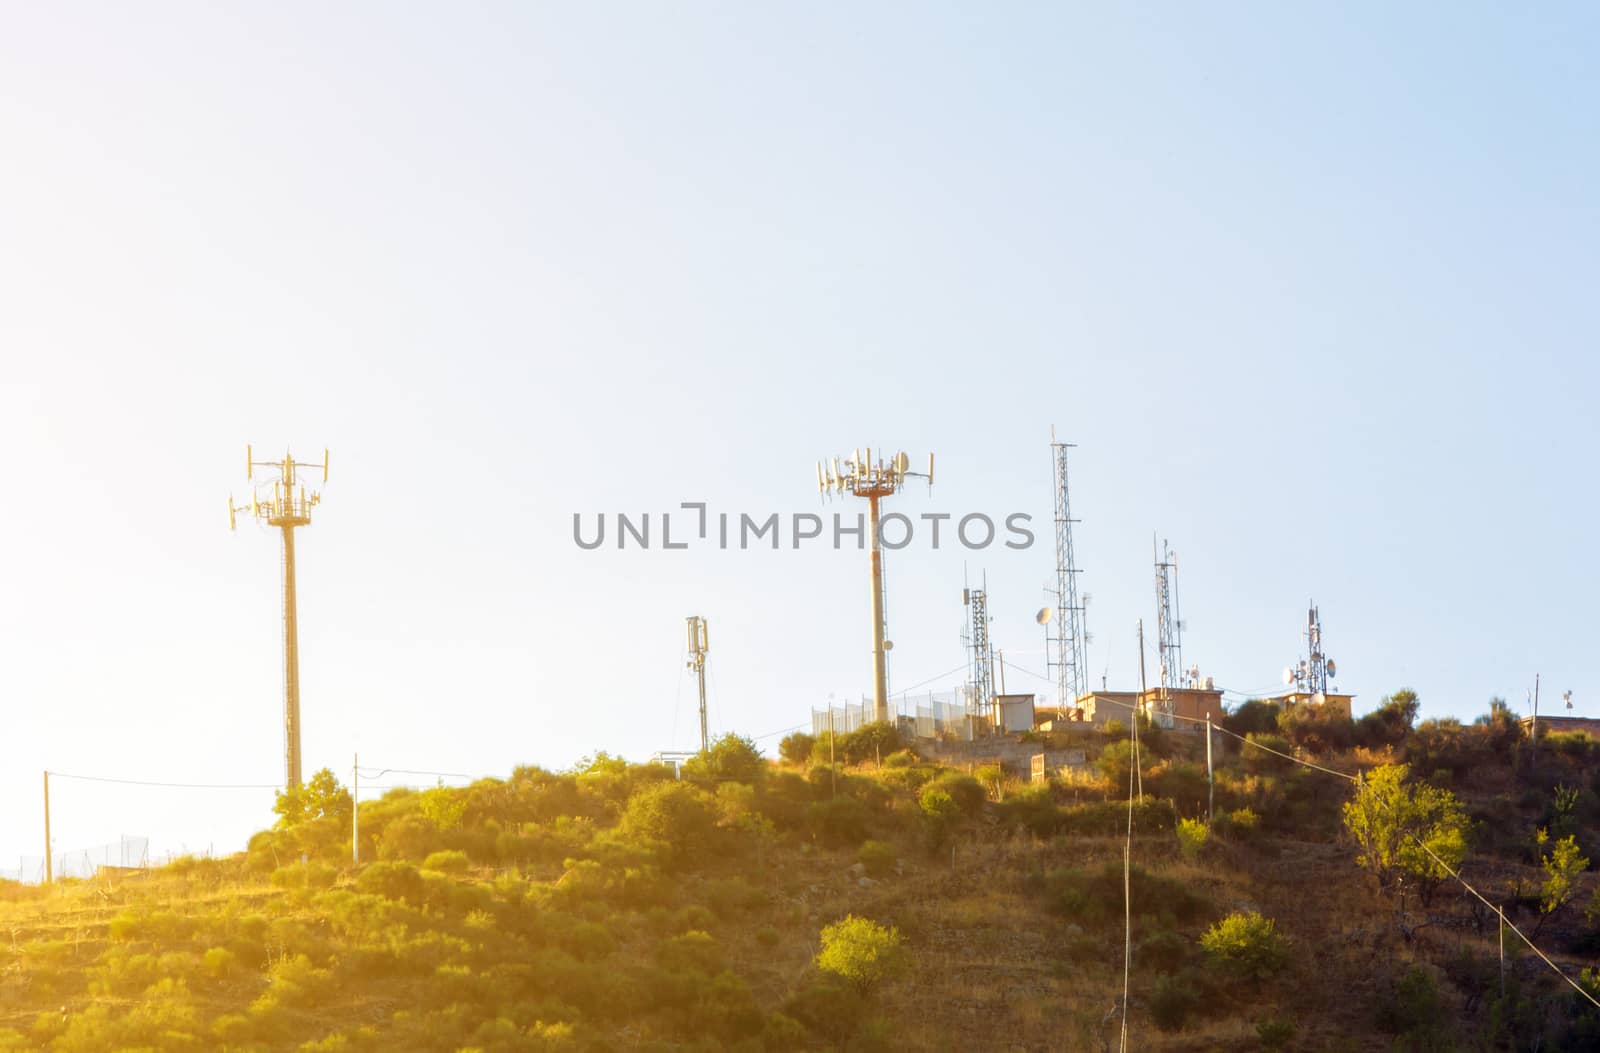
1311	287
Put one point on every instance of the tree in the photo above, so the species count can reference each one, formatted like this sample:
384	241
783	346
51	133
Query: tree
796	748
872	741
1317	728
1405	829
1391	722
1562	865
861	952
1256	715
321	798
732	758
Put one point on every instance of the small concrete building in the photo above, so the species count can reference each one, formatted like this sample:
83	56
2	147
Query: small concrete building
1183	708
1562	725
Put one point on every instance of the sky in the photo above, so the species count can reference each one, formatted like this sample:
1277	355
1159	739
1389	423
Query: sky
1309	286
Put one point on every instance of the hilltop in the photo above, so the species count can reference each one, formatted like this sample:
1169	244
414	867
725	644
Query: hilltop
788	905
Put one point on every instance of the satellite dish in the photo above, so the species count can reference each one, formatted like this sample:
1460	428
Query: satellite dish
1333	670
901	462
888	645
1043	617
1288	675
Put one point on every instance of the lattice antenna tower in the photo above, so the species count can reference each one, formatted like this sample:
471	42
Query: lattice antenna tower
1312	674
280	500
861	476
1169	628
981	651
1068	644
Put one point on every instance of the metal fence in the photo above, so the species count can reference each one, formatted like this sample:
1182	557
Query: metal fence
126	853
934	714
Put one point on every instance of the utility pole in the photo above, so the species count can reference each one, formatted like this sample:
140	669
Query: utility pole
1143	690
355	809
1211	782
288	507
49	866
1533	758
861	476
699	644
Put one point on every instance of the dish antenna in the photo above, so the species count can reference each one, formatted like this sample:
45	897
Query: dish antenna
888	645
1333	668
1288	675
1044	615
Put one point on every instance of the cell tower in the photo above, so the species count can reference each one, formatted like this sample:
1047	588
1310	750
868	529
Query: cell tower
1169	626
1070	640
981	669
1312	674
699	645
861	476
288	506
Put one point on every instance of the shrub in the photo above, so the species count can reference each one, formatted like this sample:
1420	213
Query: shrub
1034	809
877	857
1165	952
796	748
861	952
839	822
305	876
677	815
828	1006
1192	837
447	862
1274	1032
1171	1002
1257	716
900	759
1116	730
965	791
992	777
1273	754
732	758
1245	946
393	880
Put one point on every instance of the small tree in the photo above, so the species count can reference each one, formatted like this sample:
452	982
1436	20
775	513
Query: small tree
1405	829
1562	865
321	798
732	758
861	952
1192	837
796	748
1246	946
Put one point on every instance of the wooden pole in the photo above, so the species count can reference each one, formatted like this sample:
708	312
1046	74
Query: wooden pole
1211	785
355	809
49	867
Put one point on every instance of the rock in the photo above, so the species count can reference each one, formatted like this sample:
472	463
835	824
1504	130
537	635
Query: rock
1074	931
865	882
857	869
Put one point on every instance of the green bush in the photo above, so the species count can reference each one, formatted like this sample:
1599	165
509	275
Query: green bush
878	857
732	758
1192	837
861	952
838	823
828	1006
1245	946
449	861
393	880
1032	808
964	790
796	748
1171	1002
679	817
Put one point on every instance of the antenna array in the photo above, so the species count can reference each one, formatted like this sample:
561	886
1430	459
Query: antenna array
860	475
286	505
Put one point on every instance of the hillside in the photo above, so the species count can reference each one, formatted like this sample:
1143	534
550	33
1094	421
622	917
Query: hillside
613	907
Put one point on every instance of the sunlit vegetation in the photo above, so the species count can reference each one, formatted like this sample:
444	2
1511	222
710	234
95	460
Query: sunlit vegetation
856	895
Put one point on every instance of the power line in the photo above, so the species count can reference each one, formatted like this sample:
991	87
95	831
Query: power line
169	785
